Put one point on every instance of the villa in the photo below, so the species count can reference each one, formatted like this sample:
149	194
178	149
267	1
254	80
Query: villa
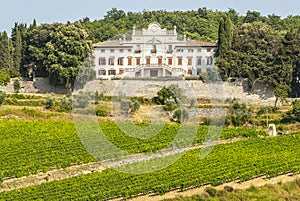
153	52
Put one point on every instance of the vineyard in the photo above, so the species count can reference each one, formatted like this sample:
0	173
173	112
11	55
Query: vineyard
28	147
243	160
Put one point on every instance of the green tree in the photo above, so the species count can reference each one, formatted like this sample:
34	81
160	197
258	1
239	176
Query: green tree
281	92
58	51
296	109
225	35
292	51
257	53
85	73
5	52
240	113
252	16
17	54
2	97
4	77
168	93
17	85
50	102
181	115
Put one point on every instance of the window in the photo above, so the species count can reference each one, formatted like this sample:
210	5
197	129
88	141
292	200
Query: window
153	50
209	60
129	61
190	71
121	50
190	50
138	61
179	50
148	60
111	61
159	61
190	61
179	61
111	72
170	61
102	50
170	49
102	61
199	61
199	50
121	71
101	72
208	50
112	50
129	50
138	49
121	61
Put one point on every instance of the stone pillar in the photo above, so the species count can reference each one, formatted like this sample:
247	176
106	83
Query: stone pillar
272	130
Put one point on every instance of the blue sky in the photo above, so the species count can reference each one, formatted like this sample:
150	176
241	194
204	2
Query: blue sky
46	11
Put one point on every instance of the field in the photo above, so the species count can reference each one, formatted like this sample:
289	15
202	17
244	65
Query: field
35	140
243	160
30	146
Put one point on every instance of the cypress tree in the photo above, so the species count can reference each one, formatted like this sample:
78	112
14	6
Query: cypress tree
225	34
17	56
5	52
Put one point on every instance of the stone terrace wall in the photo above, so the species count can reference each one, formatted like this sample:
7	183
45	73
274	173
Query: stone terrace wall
261	94
40	85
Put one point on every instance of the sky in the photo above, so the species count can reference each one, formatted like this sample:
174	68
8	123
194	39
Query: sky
49	11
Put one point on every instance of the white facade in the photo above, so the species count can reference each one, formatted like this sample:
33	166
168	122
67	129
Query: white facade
153	52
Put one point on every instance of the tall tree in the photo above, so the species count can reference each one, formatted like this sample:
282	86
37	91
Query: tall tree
5	52
58	51
225	34
292	50
17	54
18	34
257	54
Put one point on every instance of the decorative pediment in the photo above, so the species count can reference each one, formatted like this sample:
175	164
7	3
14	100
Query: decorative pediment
154	26
154	41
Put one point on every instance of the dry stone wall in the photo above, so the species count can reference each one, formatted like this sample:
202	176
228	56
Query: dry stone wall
261	93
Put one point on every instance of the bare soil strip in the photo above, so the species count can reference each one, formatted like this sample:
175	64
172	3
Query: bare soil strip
260	181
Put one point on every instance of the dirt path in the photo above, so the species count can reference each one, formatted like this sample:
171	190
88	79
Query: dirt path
53	175
260	181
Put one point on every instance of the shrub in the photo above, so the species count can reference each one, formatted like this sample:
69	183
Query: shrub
50	102
17	85
180	115
65	104
135	106
240	113
2	97
228	189
101	112
211	191
81	100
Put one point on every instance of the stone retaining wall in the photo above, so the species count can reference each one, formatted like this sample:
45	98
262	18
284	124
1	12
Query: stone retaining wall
261	93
